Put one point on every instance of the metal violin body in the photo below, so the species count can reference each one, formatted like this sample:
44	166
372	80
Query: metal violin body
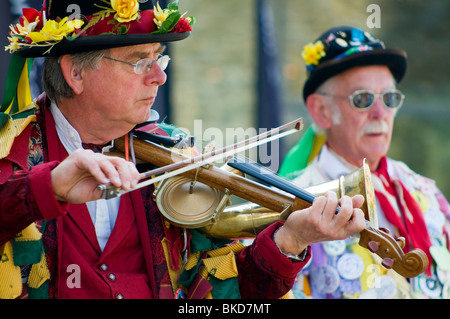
194	193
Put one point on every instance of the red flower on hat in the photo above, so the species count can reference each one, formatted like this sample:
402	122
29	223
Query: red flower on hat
31	21
183	25
32	15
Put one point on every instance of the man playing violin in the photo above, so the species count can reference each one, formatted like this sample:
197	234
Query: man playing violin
352	98
101	76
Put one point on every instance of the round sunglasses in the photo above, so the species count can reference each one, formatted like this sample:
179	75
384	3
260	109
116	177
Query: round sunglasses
363	99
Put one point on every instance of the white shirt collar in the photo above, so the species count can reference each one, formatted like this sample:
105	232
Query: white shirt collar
332	165
67	134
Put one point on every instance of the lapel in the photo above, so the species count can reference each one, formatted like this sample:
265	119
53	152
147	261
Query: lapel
126	219
80	216
77	212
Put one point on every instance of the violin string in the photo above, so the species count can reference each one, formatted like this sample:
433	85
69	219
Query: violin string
133	155
260	166
194	181
272	178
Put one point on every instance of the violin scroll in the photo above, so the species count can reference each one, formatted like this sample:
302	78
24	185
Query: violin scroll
390	250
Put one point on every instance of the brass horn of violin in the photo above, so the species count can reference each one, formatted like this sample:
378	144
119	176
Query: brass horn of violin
200	199
247	220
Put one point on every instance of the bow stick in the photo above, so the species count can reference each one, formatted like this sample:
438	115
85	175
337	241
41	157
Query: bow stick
177	168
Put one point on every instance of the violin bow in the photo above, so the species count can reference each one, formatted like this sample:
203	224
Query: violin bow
177	168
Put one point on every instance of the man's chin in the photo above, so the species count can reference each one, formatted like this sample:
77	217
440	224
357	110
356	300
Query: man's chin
144	117
376	155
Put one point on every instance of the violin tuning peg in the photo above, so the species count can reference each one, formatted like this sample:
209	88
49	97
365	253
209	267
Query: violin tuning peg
387	231
401	242
373	246
387	263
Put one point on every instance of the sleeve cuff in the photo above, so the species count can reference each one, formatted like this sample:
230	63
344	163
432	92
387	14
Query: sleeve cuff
269	252
41	187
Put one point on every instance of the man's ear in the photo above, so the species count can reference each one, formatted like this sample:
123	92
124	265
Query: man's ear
72	74
318	109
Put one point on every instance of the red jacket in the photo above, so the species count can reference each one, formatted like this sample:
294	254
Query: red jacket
133	263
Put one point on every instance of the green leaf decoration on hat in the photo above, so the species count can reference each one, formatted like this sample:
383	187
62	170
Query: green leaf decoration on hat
167	19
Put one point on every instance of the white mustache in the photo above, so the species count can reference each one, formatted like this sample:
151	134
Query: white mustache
378	127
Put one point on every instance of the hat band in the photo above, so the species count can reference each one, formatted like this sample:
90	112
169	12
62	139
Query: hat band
106	26
353	50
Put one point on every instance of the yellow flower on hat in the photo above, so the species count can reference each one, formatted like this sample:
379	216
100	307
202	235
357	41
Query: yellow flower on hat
160	15
55	31
313	52
20	31
126	10
24	29
13	46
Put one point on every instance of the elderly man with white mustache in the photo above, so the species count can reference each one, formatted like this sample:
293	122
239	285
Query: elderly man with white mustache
352	98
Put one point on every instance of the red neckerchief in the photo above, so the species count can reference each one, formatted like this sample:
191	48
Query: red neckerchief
402	211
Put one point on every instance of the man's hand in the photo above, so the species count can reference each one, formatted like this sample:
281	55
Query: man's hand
320	223
75	179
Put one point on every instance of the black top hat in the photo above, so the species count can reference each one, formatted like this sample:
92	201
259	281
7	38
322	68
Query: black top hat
342	48
72	26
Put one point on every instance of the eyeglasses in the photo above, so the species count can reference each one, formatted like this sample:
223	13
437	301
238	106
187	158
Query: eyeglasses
363	99
144	65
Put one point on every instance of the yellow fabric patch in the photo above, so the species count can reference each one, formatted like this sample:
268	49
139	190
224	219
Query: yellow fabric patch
31	233
10	277
421	200
39	273
192	260
319	140
11	129
23	89
222	267
235	248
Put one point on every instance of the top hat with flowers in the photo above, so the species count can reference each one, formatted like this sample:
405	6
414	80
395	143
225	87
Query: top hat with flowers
72	26
341	48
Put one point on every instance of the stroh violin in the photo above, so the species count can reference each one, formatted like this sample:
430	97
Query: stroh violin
192	192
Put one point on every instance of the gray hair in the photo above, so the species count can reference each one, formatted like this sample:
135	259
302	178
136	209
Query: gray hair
53	80
327	86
